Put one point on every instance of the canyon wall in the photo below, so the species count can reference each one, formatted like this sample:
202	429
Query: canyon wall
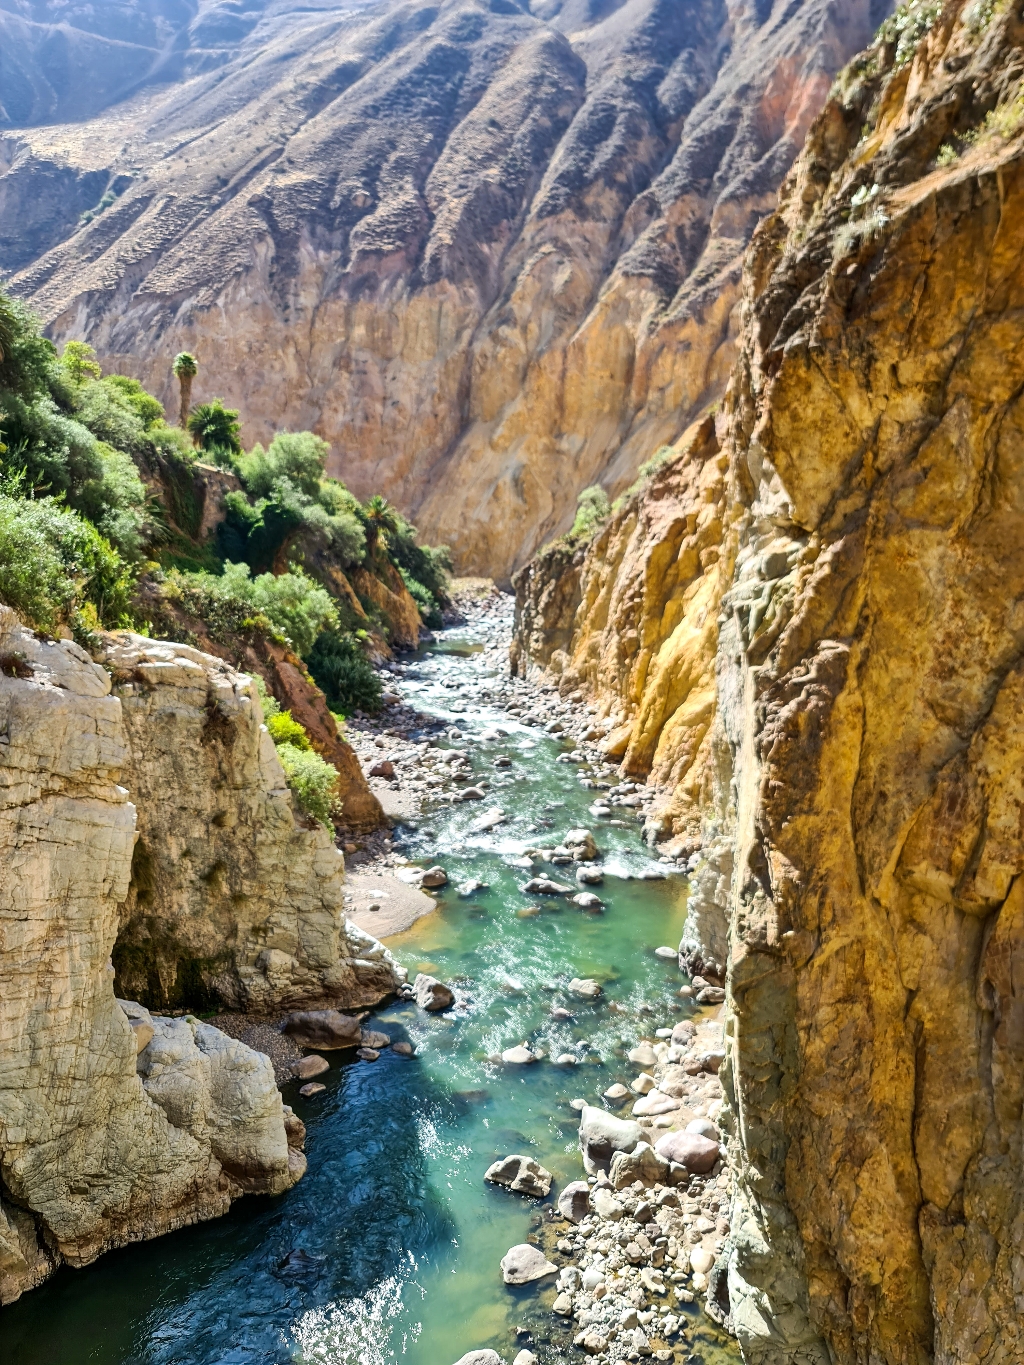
114	1125
491	253
233	901
832	582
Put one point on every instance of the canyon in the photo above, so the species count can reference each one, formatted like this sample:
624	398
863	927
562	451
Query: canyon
804	628
495	255
490	252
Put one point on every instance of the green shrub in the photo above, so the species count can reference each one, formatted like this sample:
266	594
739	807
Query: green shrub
313	782
284	730
55	567
424	599
340	668
232	603
906	26
592	509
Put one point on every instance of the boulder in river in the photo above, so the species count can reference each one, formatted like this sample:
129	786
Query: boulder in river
311	1088
489	820
669	954
471	888
518	1056
544	886
602	1135
403	1049
329	1029
480	1358
692	1150
523	1263
586	900
580	843
372	1038
308	1067
616	1093
367	1054
430	994
574	1201
434	876
589	876
585	987
521	1175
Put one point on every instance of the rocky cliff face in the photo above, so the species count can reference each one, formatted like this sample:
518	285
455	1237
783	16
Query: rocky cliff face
860	808
490	253
232	899
114	1125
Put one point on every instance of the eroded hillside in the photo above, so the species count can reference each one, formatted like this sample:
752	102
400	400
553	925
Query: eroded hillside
489	253
807	626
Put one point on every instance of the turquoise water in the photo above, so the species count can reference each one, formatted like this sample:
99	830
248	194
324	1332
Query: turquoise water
388	1249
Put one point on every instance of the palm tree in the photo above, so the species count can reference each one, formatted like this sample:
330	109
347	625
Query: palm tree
185	367
214	428
381	519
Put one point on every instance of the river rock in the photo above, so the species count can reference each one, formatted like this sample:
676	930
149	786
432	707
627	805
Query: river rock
616	1093
544	886
403	1049
480	1358
328	1029
430	994
525	1358
489	820
560	1012
521	1175
382	768
642	1163
471	888
666	953
710	995
692	1150
574	1201
434	876
472	794
653	1104
586	900
589	876
367	1054
605	1205
643	1084
580	843
311	1088
601	1135
523	1263
565	1059
518	1056
308	1067
705	1128
701	1260
644	1055
372	1038
585	987
683	1033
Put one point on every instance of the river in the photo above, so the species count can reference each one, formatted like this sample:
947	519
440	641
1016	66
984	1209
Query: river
388	1249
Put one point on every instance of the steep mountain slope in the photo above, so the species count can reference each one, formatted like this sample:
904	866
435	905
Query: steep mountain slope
490	254
808	625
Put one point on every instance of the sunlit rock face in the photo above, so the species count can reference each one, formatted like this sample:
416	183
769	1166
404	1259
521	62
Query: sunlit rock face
831	580
490	252
115	1125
